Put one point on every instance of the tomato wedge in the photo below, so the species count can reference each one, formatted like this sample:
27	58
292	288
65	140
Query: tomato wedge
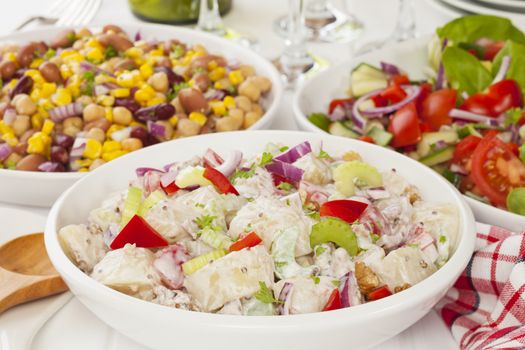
500	97
404	125
379	293
496	170
379	101
334	302
426	89
400	79
219	180
465	148
394	94
365	138
337	102
137	231
344	209
250	240
437	106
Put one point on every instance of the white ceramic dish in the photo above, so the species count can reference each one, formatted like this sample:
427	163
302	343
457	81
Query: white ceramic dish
480	8
411	56
160	327
42	189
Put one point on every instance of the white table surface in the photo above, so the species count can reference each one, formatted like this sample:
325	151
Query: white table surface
74	327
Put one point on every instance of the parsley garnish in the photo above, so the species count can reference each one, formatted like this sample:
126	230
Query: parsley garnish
178	52
280	263
200	70
88	83
336	283
71	37
316	279
323	155
199	205
319	250
205	221
284	148
50	53
266	158
374	237
413	245
442	239
285	186
512	116
243	174
110	52
265	295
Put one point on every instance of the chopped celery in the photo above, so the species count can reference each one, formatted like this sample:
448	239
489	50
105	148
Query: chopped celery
191	176
254	307
336	231
265	294
215	239
355	171
516	201
195	264
283	254
131	205
151	201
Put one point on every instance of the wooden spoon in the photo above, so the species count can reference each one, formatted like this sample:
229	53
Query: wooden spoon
26	273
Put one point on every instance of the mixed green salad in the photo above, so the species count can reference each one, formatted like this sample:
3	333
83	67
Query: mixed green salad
466	121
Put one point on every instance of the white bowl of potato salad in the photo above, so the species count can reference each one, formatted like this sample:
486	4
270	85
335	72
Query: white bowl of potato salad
73	99
309	238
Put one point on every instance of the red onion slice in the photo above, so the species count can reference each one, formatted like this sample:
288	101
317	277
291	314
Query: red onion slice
5	151
441	78
143	170
455	168
412	93
474	117
350	294
338	113
101	90
503	69
60	113
294	153
85	65
377	193
157	130
79	145
168	178
168	263
284	297
231	163
390	69
212	159
285	170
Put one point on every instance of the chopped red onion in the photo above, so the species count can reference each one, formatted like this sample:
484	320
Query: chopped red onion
190	188
214	94
138	36
85	65
9	116
439	145
377	193
286	170
5	151
441	78
231	163
284	297
358	119
60	113
412	93
143	170
390	69
167	167
168	263
157	130
101	90
350	294
121	134
79	145
503	69
515	133
212	159
167	178
294	153
337	114
458	169
465	115
51	167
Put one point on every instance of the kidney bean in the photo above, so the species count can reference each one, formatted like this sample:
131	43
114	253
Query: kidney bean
30	162
23	86
50	72
202	81
7	69
129	103
118	42
202	61
161	111
192	100
113	28
63	39
27	53
140	133
59	154
63	140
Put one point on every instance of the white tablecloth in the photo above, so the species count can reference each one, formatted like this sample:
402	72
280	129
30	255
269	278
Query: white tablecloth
255	19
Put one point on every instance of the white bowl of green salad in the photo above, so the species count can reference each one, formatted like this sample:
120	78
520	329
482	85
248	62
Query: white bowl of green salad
452	100
313	239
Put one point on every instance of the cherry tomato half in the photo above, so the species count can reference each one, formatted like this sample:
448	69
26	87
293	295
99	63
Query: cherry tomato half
338	102
437	106
404	125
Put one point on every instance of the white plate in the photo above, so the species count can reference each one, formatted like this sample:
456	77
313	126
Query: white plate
473	7
447	9
411	56
505	4
42	189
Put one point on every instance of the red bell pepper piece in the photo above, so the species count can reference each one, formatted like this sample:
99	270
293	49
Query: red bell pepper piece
500	97
365	138
137	231
250	240
379	101
379	293
170	189
337	102
219	180
334	302
344	209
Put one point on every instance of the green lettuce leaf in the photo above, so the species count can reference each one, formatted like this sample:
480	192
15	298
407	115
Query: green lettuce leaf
464	71
516	70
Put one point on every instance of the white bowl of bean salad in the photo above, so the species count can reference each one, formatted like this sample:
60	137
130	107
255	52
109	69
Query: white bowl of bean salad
74	99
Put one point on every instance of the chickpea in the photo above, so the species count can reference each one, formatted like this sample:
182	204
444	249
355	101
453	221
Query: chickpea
237	114
228	123
243	103
264	84
13	158
257	109
200	48
122	116
78	45
57	61
159	81
250	90
102	123
132	144
93	112
96	134
74	122
84	100
24	105
83	32
187	127
21	124
250	118
164	62
178	106
96	163
247	70
71	131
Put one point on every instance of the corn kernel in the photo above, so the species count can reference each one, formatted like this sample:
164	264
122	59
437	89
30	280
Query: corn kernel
105	100
191	83
35	75
218	108
217	73
125	80
112	155
174	120
146	71
36	63
93	42
71	56
83	170
84	162
156	52
45	103
65	72
108	114
4	128
122	92
218	85
103	78
35	95
38	143
95	55
61	97
48	126
36	121
93	149
212	65
113	128
48	89
111	146
136	123
198	117
159	98
10	56
10	139
236	77
134	52
229	102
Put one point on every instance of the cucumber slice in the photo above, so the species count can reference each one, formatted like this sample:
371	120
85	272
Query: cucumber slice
338	129
516	201
424	147
191	176
438	157
380	136
320	120
365	78
373	124
354	172
468	130
336	231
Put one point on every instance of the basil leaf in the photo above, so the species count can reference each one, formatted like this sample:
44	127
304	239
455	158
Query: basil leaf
516	70
464	71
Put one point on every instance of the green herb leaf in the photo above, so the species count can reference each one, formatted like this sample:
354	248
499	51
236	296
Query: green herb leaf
512	116
242	174
516	201
320	120
71	37
517	63
178	52
316	279
284	148
319	250
110	52
464	71
522	153
205	221
323	155
50	53
285	186
442	239
266	158
375	237
336	283
265	295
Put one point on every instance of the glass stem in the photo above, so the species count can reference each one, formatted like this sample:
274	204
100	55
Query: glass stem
406	23
295	57
210	18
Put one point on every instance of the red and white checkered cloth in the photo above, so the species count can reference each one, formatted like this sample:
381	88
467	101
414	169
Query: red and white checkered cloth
486	307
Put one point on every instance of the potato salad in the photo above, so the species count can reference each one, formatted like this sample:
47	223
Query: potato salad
286	231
